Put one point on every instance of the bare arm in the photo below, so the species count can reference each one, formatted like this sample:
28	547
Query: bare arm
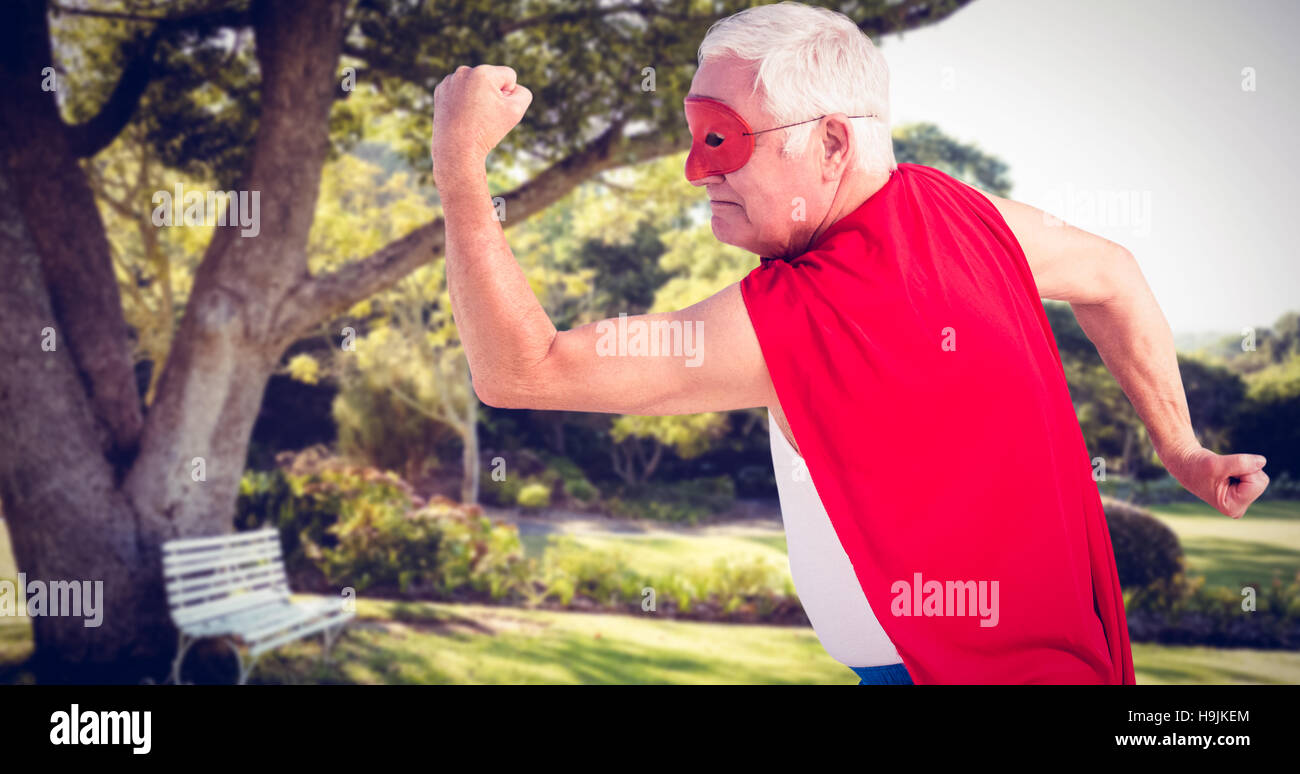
1117	310
704	358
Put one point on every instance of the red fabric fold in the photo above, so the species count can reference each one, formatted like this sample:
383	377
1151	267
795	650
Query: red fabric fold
913	360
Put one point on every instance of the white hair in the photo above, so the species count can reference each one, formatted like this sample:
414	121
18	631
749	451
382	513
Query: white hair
811	62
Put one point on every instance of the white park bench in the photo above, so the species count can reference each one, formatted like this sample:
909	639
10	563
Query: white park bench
234	587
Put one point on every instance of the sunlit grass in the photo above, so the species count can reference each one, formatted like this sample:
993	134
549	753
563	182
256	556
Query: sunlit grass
446	643
1234	552
656	554
443	643
435	643
1167	664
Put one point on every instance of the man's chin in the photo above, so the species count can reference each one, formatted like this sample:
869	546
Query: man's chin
749	247
727	234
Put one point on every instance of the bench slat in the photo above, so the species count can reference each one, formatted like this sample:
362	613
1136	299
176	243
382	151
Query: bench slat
294	615
237	585
226	584
207	560
303	631
180	545
184	616
241	621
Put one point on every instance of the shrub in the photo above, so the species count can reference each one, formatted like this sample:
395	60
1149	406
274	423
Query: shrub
581	490
362	527
569	569
381	545
1157	491
475	553
1283	486
535	495
441	550
309	506
1186	612
734	584
1146	550
682	501
504	493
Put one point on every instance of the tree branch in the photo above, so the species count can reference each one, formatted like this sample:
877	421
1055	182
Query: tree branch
644	10
212	13
90	137
909	15
76	263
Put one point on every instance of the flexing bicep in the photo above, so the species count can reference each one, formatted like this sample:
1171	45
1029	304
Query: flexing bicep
1068	263
705	357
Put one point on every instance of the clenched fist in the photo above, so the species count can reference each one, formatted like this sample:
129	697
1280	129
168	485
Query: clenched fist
473	109
1228	482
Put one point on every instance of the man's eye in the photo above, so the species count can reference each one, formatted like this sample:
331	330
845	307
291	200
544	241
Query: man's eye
713	139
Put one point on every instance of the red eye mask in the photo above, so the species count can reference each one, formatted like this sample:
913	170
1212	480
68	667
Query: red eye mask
721	140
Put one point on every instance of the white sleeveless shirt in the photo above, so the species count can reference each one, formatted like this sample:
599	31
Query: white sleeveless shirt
824	578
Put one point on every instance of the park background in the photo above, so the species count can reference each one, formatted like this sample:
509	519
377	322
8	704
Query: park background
502	546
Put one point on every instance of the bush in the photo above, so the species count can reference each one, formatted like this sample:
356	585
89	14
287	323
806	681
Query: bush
574	483
1146	550
1182	612
1157	491
570	570
536	495
441	550
683	501
581	490
1283	486
306	507
381	545
560	475
1166	489
476	554
362	527
504	493
733	585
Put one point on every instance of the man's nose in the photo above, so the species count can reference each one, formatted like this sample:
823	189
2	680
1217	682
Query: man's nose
707	180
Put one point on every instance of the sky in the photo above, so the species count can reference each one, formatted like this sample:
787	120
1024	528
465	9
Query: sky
1134	121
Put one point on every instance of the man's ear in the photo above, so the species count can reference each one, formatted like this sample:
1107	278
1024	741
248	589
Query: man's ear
837	146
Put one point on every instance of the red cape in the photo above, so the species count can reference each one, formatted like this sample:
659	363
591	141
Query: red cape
913	360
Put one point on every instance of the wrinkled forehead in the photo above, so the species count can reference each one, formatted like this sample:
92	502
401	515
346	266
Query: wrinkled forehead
730	82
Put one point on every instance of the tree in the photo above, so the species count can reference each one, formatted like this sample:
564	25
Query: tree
250	95
927	144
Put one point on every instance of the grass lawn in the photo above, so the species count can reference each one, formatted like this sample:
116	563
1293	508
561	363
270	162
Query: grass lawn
445	643
434	643
659	554
1174	665
7	568
1232	552
473	644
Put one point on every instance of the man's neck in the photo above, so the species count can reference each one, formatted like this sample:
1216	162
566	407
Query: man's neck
854	189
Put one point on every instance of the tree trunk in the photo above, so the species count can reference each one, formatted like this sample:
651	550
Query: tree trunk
92	486
66	517
89	494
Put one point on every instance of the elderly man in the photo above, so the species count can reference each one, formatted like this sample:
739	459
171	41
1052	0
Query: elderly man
951	530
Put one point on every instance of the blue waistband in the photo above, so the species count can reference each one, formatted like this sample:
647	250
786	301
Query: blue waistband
889	674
